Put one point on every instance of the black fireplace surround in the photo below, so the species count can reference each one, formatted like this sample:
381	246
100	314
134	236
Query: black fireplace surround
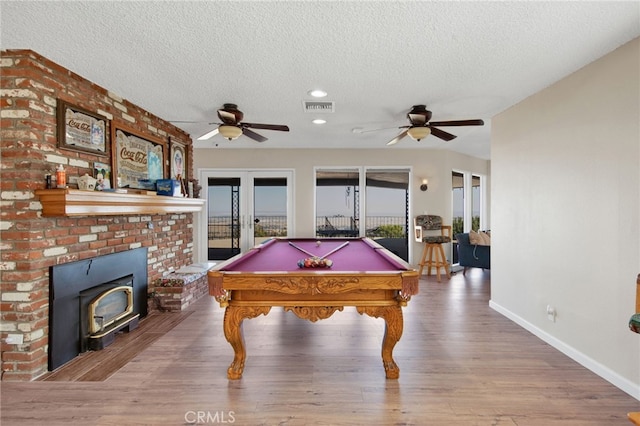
66	283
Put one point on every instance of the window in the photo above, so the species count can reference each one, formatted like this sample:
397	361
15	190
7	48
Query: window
338	203
384	204
387	209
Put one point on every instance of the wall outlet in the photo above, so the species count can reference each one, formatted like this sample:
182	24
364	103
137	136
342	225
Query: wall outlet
551	313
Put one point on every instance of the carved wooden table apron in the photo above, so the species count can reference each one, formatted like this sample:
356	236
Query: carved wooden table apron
313	294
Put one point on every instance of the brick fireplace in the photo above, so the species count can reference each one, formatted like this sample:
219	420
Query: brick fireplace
32	243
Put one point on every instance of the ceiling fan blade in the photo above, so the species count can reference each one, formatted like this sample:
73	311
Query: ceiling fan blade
397	138
359	130
457	123
208	135
441	134
253	135
279	127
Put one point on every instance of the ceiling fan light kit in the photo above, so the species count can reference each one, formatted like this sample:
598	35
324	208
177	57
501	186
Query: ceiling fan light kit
230	132
418	133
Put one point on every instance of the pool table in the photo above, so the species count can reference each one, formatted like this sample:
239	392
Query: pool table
362	274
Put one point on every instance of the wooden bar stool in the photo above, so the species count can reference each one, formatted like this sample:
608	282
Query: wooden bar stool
433	253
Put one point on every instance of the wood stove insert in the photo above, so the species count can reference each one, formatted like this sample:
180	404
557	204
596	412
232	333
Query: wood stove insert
105	310
69	290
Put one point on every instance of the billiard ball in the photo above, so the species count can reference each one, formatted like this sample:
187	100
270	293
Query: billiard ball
318	243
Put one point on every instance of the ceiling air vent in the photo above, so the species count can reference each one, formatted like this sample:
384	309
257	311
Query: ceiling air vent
318	106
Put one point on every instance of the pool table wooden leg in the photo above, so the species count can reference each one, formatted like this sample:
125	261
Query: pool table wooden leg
393	331
233	317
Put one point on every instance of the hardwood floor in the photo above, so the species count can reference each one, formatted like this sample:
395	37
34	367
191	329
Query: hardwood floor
461	363
100	365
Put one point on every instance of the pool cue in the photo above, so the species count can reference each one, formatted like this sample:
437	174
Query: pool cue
335	249
301	249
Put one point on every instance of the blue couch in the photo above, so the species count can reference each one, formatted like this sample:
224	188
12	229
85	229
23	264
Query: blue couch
471	255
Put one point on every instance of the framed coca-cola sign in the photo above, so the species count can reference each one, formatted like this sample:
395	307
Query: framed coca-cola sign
138	160
82	130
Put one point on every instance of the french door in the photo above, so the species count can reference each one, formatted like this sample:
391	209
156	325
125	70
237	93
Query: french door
245	208
469	204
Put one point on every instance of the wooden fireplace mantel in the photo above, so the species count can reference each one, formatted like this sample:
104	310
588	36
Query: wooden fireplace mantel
73	202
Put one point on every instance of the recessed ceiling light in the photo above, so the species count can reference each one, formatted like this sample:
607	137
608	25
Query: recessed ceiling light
317	93
319	121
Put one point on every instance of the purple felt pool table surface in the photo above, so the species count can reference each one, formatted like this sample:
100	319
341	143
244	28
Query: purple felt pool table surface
349	254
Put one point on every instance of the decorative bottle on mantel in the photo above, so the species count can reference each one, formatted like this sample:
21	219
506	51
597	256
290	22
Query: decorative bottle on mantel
61	177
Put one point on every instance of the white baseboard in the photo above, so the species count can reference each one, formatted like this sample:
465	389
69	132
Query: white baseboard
590	364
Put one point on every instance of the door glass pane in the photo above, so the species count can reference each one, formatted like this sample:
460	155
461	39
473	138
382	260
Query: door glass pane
269	208
387	209
337	203
475	202
457	196
223	214
457	186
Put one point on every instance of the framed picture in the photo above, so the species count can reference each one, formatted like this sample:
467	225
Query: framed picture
102	172
138	161
81	130
178	159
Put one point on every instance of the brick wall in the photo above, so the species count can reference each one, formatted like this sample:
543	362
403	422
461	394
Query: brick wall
29	243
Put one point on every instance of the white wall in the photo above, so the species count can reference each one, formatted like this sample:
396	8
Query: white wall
565	214
435	165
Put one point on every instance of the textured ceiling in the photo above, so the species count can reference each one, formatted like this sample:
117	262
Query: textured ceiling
182	60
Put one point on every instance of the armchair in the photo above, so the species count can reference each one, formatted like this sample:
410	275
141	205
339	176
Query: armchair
472	255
